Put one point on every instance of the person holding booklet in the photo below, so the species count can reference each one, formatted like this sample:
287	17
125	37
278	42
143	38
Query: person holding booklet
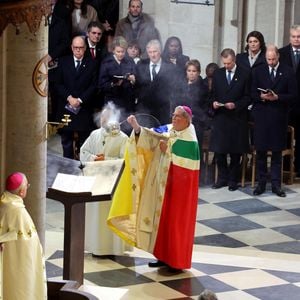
229	135
75	88
273	90
117	77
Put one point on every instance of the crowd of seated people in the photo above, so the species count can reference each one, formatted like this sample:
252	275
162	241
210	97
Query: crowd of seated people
136	73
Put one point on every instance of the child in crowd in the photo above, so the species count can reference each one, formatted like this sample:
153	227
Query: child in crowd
134	51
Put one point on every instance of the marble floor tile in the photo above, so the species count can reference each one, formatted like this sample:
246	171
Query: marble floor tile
245	248
221	240
260	236
274	218
212	211
292	231
247	206
249	279
287	247
287	291
236	295
231	224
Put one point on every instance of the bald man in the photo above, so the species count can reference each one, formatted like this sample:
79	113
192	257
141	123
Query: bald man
270	114
76	88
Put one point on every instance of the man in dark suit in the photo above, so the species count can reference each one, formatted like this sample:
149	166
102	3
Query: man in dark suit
270	114
154	81
290	55
95	46
230	99
97	50
75	87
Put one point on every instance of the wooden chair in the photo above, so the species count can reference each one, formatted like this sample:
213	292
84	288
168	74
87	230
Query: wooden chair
205	154
207	159
289	151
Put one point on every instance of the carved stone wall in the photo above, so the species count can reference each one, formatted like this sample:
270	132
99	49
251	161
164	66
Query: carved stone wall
29	11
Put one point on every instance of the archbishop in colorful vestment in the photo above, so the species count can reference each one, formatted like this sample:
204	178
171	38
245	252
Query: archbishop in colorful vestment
155	204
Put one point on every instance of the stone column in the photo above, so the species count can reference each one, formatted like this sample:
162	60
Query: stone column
26	116
2	107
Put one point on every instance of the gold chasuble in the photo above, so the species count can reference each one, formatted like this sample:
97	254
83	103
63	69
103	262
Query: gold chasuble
155	204
23	267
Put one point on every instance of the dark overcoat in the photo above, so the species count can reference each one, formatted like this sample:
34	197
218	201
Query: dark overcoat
271	117
80	84
195	95
286	57
121	95
230	127
242	60
100	51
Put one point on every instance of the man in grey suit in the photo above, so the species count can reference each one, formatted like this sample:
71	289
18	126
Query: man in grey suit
230	100
155	80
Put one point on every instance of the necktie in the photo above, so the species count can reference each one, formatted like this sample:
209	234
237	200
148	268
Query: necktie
77	65
297	56
229	76
153	71
93	52
272	74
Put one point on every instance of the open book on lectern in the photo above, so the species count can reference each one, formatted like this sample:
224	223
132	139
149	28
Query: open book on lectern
98	178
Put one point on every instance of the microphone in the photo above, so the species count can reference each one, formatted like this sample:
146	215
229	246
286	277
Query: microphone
81	167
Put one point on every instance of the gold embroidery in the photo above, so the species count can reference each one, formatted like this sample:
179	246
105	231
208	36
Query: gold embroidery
20	233
29	233
133	171
146	221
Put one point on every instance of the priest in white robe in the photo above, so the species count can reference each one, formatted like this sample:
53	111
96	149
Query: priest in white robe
107	142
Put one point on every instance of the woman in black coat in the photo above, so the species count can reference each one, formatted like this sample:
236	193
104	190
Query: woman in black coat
253	57
255	51
192	92
172	53
117	76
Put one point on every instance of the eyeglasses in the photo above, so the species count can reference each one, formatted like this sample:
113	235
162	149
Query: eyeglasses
78	48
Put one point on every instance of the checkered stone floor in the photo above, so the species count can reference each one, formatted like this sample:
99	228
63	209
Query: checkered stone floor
245	247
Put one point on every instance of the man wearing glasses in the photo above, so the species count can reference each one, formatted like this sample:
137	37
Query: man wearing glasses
76	87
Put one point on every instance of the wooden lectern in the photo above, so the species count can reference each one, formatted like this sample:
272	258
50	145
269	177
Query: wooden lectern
73	191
